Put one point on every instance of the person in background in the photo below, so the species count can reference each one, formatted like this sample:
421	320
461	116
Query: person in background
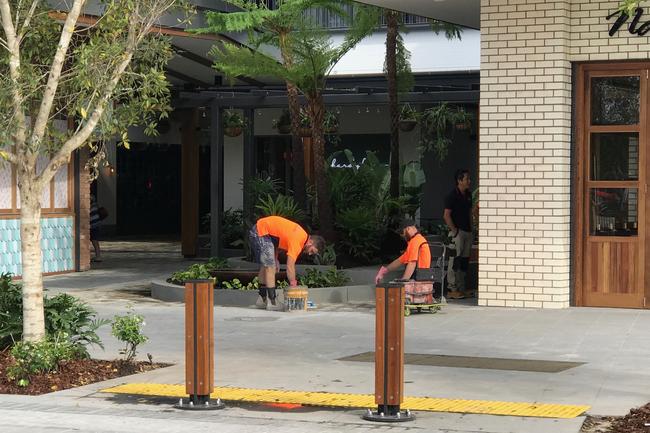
95	223
458	217
267	237
416	256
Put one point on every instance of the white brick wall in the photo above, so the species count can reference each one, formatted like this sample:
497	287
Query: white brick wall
527	47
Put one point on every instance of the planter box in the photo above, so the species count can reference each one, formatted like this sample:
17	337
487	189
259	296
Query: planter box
165	291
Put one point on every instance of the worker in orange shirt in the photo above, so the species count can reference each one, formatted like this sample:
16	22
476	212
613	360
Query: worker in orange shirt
266	238
417	254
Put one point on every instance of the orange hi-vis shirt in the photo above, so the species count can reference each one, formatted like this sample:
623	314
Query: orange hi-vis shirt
411	253
291	236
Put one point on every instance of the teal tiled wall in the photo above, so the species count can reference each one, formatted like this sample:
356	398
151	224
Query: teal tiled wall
57	242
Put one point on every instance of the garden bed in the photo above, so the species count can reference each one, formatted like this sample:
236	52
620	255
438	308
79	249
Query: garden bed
71	374
633	422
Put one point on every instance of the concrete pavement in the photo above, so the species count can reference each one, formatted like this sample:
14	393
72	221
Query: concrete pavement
301	351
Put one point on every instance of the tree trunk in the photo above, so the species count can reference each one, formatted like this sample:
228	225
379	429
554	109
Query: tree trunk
297	155
391	75
32	256
317	116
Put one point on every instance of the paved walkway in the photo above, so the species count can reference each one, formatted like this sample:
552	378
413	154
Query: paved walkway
302	351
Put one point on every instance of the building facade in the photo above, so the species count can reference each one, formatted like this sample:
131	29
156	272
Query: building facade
563	155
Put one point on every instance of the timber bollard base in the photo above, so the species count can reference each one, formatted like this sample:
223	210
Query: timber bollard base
199	402
389	414
389	355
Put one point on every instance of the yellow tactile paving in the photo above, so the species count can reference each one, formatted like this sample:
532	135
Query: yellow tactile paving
486	407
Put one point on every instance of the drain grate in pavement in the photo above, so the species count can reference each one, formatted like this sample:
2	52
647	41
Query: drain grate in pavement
533	365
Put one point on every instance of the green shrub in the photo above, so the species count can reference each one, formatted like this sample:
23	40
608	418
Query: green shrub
217	263
236	284
73	317
361	233
326	257
43	356
11	311
280	205
232	227
128	329
64	314
316	278
197	271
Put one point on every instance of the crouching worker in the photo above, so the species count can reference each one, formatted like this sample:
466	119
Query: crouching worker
417	254
267	237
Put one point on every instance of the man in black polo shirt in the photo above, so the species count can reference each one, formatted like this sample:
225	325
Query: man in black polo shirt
458	217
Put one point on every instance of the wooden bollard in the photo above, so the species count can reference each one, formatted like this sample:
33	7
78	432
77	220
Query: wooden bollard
199	346
389	355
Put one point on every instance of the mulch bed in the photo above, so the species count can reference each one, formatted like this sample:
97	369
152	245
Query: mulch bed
71	374
633	422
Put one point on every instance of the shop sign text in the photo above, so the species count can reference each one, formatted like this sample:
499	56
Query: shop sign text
632	27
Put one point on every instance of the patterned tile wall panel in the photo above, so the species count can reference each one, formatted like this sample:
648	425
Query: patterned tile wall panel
57	244
61	188
5	185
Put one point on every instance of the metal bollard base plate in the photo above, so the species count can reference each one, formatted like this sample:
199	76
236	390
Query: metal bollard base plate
389	414
199	402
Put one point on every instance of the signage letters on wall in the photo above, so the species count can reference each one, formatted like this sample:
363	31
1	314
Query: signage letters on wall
632	28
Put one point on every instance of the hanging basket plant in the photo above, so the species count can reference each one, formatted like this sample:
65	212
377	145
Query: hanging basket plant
305	123
331	123
408	118
283	124
233	123
437	126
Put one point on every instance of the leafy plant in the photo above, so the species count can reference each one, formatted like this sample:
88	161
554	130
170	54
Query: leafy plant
236	284
326	257
361	233
69	316
316	278
128	329
232	227
233	119
217	263
11	311
43	356
283	123
435	127
64	315
408	113
281	205
197	271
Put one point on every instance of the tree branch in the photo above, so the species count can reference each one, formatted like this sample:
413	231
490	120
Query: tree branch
9	156
55	72
13	47
28	19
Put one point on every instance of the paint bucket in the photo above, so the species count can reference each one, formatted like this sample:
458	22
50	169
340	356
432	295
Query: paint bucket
295	298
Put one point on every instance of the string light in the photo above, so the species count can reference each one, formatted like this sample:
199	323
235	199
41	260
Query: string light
367	110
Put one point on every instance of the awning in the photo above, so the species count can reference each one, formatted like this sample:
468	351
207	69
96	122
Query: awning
463	12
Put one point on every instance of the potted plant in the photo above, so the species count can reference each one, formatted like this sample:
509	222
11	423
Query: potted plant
233	123
283	124
408	118
331	123
436	124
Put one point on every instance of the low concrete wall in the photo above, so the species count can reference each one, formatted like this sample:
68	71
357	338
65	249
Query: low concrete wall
244	298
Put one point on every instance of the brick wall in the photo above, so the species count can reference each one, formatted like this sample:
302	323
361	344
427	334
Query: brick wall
527	50
84	211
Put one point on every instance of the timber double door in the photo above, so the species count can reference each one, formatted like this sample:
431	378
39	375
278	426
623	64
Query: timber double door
611	207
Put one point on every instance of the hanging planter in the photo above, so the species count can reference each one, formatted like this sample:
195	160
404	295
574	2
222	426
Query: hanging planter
408	118
233	123
305	132
437	126
331	123
233	131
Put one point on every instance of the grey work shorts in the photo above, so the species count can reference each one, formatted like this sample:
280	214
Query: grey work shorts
262	247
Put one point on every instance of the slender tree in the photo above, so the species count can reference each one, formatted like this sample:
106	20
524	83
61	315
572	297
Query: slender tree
274	27
106	72
313	58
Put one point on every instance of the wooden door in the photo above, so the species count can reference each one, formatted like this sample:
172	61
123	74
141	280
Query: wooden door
612	147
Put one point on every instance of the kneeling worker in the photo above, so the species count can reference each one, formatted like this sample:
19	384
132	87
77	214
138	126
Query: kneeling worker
267	237
416	256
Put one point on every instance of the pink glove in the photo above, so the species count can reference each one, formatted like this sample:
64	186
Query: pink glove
380	275
293	283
